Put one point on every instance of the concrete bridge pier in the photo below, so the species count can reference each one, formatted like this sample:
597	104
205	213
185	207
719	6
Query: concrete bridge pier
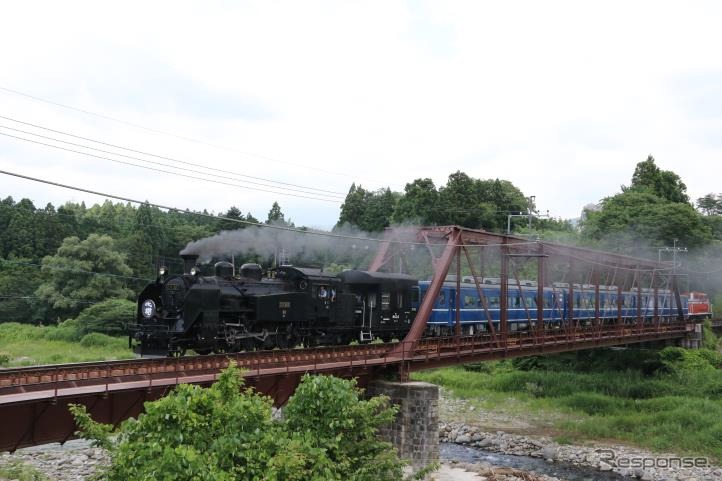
693	339
415	433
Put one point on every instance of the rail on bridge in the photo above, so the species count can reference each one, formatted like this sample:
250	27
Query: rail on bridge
33	401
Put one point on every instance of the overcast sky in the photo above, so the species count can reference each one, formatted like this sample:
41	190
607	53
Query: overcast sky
560	98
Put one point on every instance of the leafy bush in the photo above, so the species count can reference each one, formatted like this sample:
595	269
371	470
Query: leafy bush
4	359
67	331
107	317
96	339
224	433
677	359
709	340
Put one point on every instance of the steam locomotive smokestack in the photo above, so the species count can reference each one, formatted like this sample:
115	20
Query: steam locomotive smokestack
189	260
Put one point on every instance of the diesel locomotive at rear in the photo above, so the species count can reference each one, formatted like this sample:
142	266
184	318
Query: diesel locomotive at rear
282	307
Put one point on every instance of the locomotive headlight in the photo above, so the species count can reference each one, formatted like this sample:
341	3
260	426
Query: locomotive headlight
195	271
148	308
162	271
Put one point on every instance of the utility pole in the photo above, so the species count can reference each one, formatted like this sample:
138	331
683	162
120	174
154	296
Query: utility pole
530	214
530	208
674	250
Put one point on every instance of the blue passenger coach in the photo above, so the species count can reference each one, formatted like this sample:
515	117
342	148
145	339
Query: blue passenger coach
522	305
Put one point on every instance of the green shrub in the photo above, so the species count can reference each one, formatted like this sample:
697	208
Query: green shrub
709	340
4	359
67	331
108	317
677	359
96	339
223	433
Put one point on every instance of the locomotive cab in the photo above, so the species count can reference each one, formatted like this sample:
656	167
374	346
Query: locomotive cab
385	304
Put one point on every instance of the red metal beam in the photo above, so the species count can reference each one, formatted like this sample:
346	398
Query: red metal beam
427	304
33	401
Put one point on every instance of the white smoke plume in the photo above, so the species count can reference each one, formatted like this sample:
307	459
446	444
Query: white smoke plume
268	242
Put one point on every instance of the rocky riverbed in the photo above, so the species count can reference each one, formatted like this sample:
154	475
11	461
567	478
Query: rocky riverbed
76	460
605	457
461	424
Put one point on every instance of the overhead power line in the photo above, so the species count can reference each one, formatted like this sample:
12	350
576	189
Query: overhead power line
107	144
177	136
240	221
162	164
77	271
169	172
27	298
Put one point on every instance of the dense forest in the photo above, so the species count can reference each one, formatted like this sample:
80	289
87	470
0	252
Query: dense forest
56	263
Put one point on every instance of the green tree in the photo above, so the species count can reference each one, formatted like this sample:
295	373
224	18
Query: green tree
20	235
479	203
379	210
631	219
666	184
145	241
234	213
418	204
354	206
81	271
370	211
225	433
710	204
275	214
19	279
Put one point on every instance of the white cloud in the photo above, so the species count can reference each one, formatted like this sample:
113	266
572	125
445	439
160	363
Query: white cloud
561	98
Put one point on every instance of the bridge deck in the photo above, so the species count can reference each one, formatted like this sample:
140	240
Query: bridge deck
33	400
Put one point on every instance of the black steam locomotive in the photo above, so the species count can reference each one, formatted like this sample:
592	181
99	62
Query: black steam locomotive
282	307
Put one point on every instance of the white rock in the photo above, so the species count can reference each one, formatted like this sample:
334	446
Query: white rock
549	452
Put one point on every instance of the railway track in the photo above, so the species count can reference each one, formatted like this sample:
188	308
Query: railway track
23	381
33	400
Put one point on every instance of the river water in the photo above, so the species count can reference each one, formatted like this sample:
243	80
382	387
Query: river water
565	471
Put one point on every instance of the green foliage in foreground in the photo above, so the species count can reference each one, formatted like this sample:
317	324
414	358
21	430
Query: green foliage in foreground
710	340
666	400
23	345
20	472
225	433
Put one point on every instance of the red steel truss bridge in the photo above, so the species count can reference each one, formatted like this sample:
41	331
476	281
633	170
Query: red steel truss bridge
34	400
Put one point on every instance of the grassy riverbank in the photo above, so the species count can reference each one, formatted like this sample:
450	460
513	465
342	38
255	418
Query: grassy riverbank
26	345
664	400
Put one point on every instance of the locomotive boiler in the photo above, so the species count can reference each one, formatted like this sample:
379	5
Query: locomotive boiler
281	307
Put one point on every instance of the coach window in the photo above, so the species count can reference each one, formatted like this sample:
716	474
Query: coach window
442	299
385	300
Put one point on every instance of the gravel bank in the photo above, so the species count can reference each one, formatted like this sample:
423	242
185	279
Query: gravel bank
627	461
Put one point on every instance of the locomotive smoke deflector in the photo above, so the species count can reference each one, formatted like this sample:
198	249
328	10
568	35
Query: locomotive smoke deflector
189	262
